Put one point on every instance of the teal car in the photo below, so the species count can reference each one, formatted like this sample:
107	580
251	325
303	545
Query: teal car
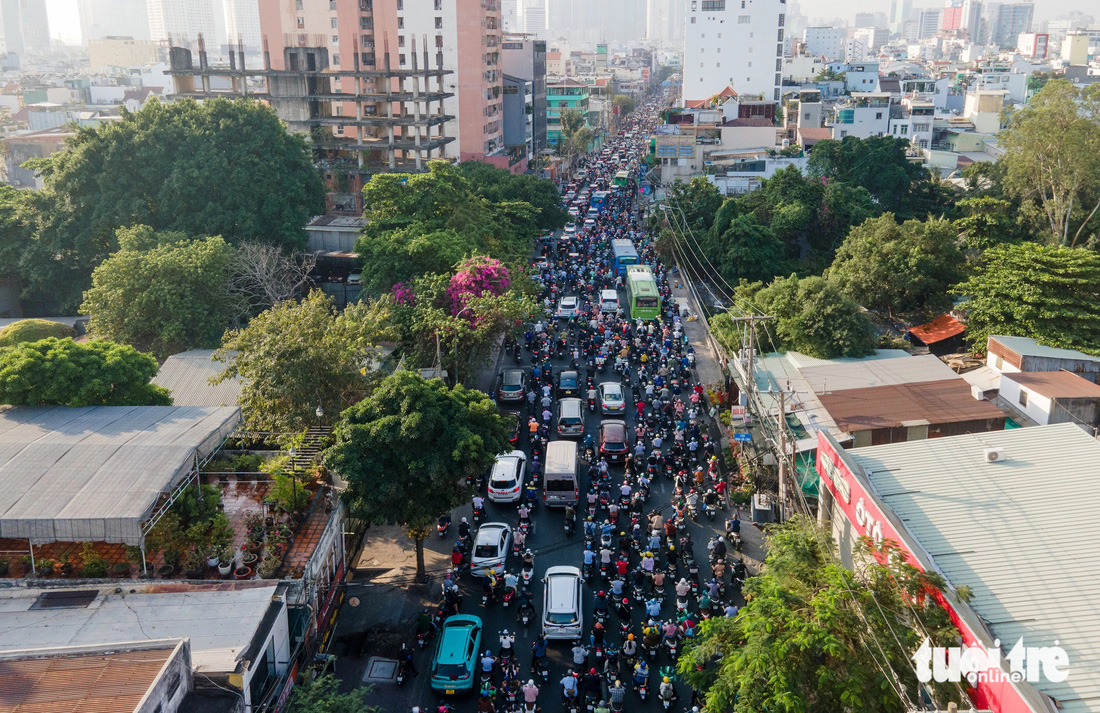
454	665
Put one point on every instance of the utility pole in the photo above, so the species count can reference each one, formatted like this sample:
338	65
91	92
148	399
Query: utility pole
782	455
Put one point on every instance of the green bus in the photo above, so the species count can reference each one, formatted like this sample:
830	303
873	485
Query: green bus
641	293
622	178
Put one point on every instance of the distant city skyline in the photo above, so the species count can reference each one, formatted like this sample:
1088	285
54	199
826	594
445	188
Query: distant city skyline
65	21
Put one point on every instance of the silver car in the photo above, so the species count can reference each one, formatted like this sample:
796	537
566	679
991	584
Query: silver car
490	549
612	401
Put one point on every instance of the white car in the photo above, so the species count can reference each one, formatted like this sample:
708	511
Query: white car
612	401
567	308
570	228
561	604
589	223
491	547
506	478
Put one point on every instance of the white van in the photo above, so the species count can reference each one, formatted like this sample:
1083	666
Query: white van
563	617
560	483
609	300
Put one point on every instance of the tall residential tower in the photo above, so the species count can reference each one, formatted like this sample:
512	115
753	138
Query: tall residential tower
733	43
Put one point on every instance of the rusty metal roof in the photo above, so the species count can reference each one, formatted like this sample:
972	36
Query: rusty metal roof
1055	384
943	327
88	683
945	401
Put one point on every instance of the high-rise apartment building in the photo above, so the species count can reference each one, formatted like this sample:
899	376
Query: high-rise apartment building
113	18
1007	21
26	27
827	42
533	17
900	10
871	37
928	24
733	43
962	17
242	22
665	22
180	22
870	19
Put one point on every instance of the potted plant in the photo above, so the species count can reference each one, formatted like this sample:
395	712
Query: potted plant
27	562
249	559
5	566
44	567
212	557
64	565
193	563
270	566
121	569
165	571
225	561
243	572
93	564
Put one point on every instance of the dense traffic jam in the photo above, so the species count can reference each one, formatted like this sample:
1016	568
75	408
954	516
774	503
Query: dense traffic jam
636	488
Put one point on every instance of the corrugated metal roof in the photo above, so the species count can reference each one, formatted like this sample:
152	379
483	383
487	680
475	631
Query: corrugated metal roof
88	683
1055	384
1026	346
187	375
94	474
1021	533
948	401
876	372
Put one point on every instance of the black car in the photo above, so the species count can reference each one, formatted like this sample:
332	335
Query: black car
569	383
613	441
512	383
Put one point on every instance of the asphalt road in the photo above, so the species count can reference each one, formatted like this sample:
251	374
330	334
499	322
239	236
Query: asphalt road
552	547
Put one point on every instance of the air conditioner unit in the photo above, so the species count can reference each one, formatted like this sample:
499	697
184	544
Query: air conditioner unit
994	455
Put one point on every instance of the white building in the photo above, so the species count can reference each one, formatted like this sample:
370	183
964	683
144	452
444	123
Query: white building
242	22
872	37
827	42
182	21
864	115
733	43
856	50
113	18
861	77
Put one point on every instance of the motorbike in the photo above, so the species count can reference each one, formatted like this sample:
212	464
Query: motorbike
569	527
711	511
478	516
526	612
670	647
668	699
509	595
642	688
443	525
592	405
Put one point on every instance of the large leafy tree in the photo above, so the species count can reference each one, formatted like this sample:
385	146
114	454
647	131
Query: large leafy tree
747	250
501	187
162	292
406	450
985	222
815	637
322	695
298	356
694	203
905	268
15	228
1049	293
878	164
66	373
575	137
221	167
810	315
1052	159
425	223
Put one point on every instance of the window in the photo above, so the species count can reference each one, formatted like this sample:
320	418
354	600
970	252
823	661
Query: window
780	36
332	5
366	23
719	35
400	5
714	5
439	41
693	20
779	67
401	60
340	129
336	59
719	50
336	39
400	40
298	4
781	20
301	23
702	50
367	58
333	23
742	4
878	114
1023	397
439	23
401	23
438	5
744	19
904	129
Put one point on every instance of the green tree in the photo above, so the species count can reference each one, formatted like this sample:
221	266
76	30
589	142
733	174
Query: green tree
815	637
425	223
696	203
500	187
986	222
829	75
576	137
1049	293
322	695
907	268
221	167
298	356
16	228
33	330
878	164
811	316
1052	159
406	451
747	250
625	102
66	373
162	292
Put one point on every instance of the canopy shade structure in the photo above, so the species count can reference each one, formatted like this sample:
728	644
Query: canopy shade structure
95	474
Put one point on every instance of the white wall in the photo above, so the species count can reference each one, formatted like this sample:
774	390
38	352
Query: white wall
827	41
733	43
1037	408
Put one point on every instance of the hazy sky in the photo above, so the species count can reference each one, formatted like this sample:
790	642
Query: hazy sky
65	23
